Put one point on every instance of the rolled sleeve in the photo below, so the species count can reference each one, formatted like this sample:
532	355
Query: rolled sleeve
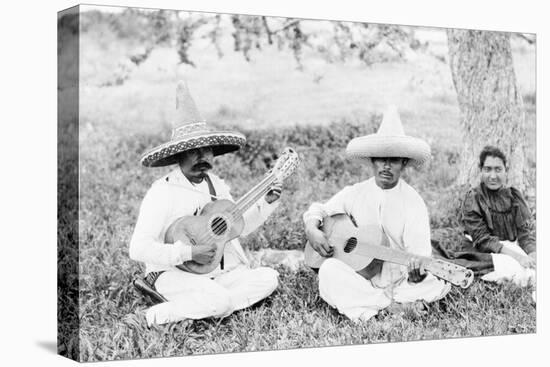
338	204
147	242
314	213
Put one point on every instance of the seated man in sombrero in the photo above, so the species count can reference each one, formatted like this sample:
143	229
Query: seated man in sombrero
387	202
184	191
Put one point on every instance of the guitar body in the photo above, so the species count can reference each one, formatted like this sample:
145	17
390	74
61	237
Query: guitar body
214	224
347	239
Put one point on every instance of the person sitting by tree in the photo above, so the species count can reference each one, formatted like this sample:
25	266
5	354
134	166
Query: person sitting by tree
496	218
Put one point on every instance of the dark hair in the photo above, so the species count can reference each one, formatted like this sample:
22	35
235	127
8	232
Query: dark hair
491	151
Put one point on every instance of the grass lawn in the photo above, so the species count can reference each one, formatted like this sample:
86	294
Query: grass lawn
295	317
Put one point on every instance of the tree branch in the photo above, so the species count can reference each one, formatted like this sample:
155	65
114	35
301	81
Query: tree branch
267	30
286	26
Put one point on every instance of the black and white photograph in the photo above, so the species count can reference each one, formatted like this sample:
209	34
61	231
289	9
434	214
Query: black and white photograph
234	183
275	184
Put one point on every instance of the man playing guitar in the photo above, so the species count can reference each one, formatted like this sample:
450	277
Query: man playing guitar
185	192
389	203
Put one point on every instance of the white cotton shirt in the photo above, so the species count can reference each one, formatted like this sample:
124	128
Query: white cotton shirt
399	211
174	196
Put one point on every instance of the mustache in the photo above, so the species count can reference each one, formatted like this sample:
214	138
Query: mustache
385	172
202	165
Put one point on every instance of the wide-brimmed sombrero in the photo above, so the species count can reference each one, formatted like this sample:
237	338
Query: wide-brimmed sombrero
191	132
390	141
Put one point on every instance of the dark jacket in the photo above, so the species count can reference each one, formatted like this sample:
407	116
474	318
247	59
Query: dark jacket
490	216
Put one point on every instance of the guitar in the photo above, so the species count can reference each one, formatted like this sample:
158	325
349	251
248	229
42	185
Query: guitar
358	246
222	220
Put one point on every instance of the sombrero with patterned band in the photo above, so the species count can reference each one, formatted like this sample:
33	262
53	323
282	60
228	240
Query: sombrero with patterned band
390	141
191	132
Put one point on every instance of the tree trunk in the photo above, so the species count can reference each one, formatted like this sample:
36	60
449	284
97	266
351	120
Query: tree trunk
491	106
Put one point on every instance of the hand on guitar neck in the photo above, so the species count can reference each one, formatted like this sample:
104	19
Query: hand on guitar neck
416	270
274	192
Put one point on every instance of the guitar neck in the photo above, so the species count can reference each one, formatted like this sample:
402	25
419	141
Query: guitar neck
388	254
455	274
252	196
285	165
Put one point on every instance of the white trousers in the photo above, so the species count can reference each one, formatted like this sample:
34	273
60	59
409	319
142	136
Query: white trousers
354	296
506	268
193	296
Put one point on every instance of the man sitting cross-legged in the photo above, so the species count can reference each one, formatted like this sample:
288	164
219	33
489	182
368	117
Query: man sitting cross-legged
389	202
184	191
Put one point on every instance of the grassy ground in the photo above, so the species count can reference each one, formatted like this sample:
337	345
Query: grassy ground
295	317
274	105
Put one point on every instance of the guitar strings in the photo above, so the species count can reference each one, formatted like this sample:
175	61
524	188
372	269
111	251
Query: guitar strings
246	201
243	205
207	236
250	198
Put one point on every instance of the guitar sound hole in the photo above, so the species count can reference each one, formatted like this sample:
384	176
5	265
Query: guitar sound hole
218	226
350	245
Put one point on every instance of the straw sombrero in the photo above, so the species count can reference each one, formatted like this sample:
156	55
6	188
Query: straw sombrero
191	132
390	141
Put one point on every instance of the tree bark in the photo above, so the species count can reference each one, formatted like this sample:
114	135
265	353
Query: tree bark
491	106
